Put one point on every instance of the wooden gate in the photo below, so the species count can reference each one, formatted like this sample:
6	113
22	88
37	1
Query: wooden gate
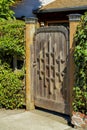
50	69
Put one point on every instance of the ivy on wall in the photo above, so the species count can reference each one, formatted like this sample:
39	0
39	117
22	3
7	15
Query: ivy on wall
80	59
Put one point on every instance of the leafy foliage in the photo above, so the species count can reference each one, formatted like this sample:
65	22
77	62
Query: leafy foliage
80	58
5	10
11	88
11	40
12	93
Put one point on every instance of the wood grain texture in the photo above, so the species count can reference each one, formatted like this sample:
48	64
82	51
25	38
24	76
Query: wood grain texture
51	71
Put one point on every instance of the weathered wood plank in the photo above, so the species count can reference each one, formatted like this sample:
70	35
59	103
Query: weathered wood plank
51	72
51	105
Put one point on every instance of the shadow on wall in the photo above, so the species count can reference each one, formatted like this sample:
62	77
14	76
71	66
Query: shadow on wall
24	9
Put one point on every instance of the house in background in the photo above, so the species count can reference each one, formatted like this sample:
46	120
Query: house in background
51	12
57	12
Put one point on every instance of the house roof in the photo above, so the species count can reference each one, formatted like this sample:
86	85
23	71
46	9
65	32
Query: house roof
64	5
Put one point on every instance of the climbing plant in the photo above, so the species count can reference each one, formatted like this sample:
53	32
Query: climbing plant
80	59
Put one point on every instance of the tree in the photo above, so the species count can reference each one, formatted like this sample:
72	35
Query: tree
5	10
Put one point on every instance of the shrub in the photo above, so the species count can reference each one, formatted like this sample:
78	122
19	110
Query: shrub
12	93
11	40
11	88
80	58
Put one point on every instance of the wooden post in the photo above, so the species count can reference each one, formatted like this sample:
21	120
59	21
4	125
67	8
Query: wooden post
73	22
30	30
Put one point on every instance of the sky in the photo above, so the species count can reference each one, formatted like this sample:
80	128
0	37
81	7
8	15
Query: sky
25	8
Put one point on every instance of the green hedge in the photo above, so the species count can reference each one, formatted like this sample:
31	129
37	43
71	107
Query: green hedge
11	88
80	58
11	39
12	93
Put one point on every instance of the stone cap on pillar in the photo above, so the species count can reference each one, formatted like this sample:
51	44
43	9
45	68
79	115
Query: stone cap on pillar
31	20
74	17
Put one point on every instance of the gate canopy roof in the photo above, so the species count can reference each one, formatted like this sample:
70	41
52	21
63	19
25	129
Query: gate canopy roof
63	5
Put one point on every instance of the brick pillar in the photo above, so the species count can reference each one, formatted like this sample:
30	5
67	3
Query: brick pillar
73	22
29	34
